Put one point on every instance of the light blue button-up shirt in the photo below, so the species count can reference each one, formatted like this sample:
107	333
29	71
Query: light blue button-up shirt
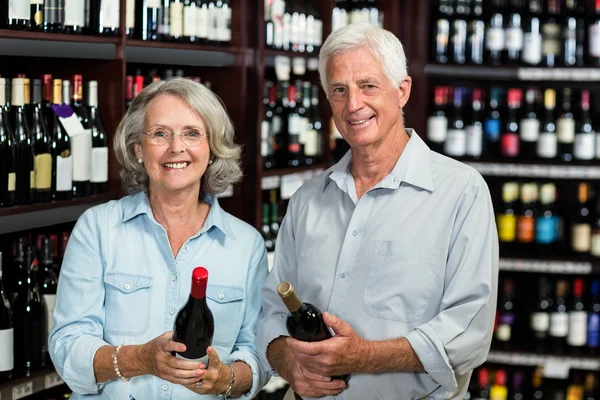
415	257
120	284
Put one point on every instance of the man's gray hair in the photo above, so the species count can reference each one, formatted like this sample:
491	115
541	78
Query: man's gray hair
224	170
386	48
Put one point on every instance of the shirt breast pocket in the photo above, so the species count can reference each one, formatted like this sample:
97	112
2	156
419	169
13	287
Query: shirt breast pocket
400	281
226	304
127	304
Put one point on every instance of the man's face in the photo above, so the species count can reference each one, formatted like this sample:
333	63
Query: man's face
367	109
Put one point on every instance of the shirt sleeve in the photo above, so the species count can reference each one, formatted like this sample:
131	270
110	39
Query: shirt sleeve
274	314
245	348
79	312
459	337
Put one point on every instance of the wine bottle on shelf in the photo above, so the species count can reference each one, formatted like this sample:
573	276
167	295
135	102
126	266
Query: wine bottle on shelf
547	145
266	228
47	101
547	224
495	39
492	124
585	137
551	42
176	18
594	36
109	19
507	218
7	361
529	126
305	321
275	222
570	45
506	314
539	319
581	228
456	141
459	41
437	123
526	218
74	17
577	317
442	40
514	39
53	16
225	23
482	391
18	14
30	321
23	145
475	43
532	42
509	139
8	167
475	125
99	177
498	391
194	324
294	129
66	92
565	127
559	318
595	240
190	21
593	321
151	19
49	283
62	165
19	270
312	143
130	12
266	123
77	100
36	15
42	160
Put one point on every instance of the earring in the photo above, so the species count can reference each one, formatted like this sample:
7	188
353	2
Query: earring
140	161
210	162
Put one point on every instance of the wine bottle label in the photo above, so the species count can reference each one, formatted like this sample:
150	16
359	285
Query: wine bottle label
7	361
581	237
584	148
311	144
509	144
18	9
503	333
318	37
176	14
265	130
74	13
577	328
529	130
547	146
278	35
64	173
551	39
303	129
546	229
130	14
153	4
310	31
203	23
99	165
565	130
295	28
287	29
265	148
474	140
294	124
525	229
593	330
491	129
43	171
36	2
456	143
495	39
225	25
514	39
437	129
12	181
540	321
50	300
559	324
532	48
203	360
594	46
598	145
595	245
32	179
507	227
110	14
190	21
81	149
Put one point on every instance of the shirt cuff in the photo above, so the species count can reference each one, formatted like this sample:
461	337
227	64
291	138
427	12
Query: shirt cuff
430	350
269	330
259	375
78	368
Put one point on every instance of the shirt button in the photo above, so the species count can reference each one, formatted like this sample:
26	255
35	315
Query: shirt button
343	274
173	278
355	232
127	286
165	387
187	246
171	311
222	296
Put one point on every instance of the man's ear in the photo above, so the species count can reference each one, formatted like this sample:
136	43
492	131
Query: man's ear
404	89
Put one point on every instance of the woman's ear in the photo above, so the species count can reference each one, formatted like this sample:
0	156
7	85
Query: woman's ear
139	154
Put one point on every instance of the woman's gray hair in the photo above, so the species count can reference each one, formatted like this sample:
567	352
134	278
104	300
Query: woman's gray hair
386	48
224	170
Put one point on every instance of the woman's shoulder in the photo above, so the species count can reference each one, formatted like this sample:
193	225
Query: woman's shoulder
116	210
239	229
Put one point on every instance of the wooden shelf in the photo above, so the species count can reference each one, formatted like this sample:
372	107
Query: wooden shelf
23	387
546	171
294	170
59	37
19	218
532	359
547	266
173	53
289	53
512	73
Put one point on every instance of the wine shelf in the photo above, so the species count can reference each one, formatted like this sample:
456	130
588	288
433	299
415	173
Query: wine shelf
507	73
547	266
544	171
139	51
293	170
552	363
33	44
19	218
289	53
24	387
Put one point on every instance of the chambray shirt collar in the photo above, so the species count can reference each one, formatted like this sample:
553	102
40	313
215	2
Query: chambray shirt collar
413	167
140	204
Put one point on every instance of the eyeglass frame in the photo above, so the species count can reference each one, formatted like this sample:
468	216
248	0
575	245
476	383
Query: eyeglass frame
171	135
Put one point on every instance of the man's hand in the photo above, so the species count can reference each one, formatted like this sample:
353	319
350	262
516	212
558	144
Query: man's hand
309	384
343	354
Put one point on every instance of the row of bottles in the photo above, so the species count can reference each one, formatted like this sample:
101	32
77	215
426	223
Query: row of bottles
187	21
562	316
521	383
52	144
28	283
347	12
293	25
530	223
520	33
271	219
514	123
89	17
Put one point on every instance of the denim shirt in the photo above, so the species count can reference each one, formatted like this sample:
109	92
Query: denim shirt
121	284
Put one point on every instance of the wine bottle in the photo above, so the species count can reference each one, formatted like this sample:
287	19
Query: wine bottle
8	168
507	218
53	15
6	333
526	218
18	14
492	124
62	165
30	321
266	145
176	17
498	391
514	39
456	142
594	36
459	41
305	321
585	136
565	128
194	324
577	317
547	224
77	100
74	22
495	39
532	42
294	130
506	314
151	20
109	18
593	322
36	15
130	13
190	21
49	283
203	18
475	43
99	177
19	273
559	318
275	222
23	145
483	385
547	146
509	139
581	230
311	134
551	42
539	321
437	123
42	160
266	228
529	126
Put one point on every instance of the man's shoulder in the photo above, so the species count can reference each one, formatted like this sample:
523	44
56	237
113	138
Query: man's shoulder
312	187
446	169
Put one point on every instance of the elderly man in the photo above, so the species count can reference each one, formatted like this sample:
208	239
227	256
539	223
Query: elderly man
397	243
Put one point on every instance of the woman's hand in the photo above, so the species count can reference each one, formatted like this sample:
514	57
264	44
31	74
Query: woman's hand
215	379
158	361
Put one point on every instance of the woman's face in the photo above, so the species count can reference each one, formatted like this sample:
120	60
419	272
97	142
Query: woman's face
173	167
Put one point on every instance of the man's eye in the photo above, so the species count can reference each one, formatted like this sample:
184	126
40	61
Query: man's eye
338	90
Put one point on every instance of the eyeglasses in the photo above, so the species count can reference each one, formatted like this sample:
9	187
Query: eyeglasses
189	137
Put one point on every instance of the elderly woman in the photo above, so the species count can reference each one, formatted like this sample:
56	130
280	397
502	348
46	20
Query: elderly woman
127	269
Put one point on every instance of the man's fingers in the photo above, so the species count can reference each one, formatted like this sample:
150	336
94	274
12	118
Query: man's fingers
315	377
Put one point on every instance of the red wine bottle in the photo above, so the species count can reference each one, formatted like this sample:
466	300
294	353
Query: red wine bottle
6	333
305	321
194	324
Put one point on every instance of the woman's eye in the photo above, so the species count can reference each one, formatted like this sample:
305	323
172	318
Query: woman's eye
159	134
193	134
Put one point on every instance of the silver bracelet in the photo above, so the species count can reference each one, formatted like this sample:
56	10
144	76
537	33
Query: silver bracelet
116	364
230	388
